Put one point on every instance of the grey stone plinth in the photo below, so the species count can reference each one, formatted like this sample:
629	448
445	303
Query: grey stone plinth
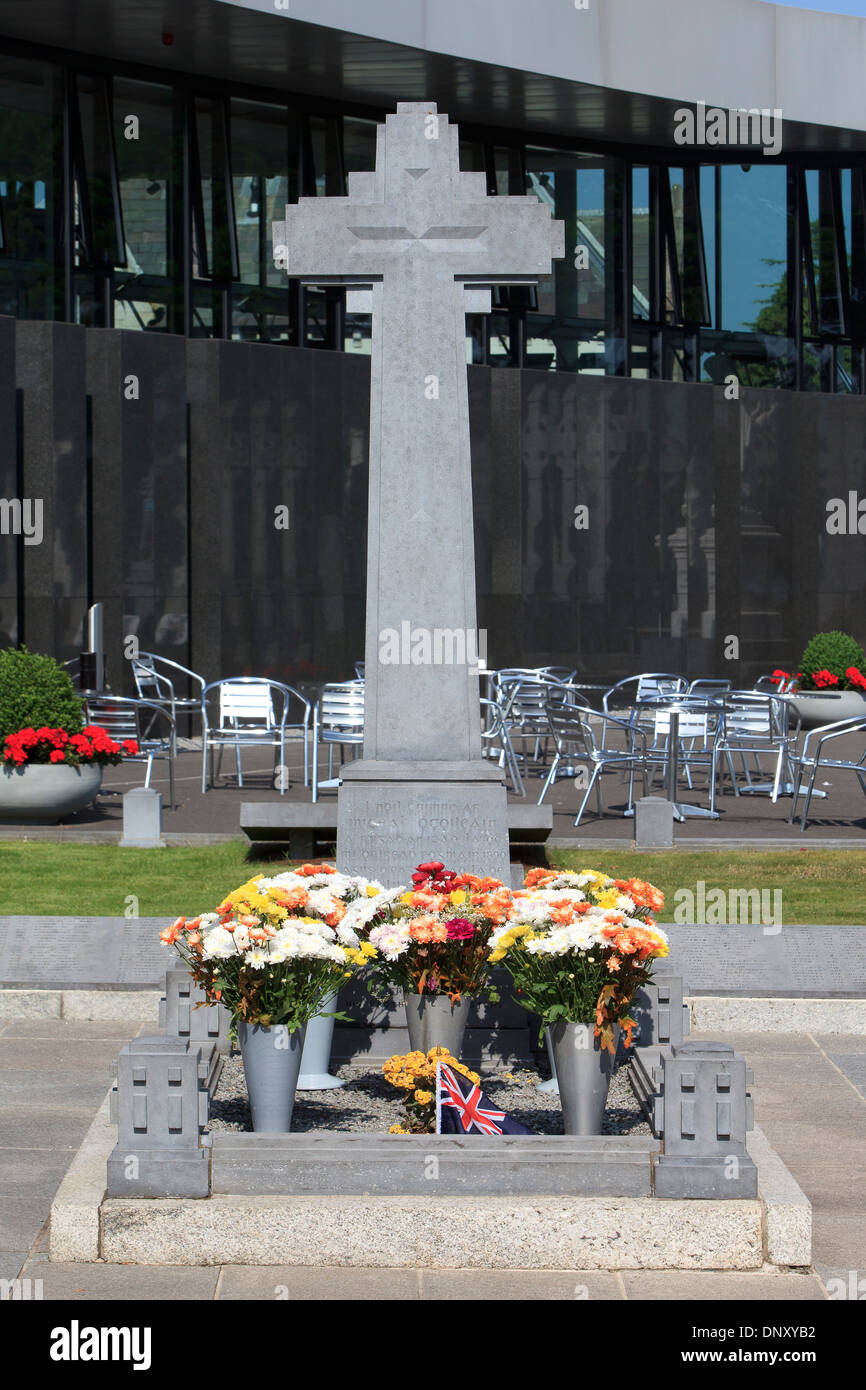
458	1233
391	818
661	1013
434	1164
160	1107
142	819
184	1012
703	1112
653	823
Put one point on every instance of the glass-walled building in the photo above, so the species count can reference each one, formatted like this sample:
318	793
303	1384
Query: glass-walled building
147	205
164	387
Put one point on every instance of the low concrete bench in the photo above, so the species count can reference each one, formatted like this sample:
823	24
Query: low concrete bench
302	824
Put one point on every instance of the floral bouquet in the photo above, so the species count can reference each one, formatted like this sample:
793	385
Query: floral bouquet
435	937
579	946
415	1075
277	947
92	745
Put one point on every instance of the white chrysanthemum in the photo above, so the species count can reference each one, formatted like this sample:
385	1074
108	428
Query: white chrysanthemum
322	901
257	958
218	944
391	939
347	936
624	903
242	938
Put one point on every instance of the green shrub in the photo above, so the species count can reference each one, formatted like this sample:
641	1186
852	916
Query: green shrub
36	692
837	653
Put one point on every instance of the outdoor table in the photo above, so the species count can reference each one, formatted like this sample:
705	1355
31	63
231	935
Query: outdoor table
670	704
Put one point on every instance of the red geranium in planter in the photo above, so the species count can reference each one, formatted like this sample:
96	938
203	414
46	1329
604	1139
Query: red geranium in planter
92	745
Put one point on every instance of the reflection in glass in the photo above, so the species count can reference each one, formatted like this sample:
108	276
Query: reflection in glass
143	131
754	245
30	189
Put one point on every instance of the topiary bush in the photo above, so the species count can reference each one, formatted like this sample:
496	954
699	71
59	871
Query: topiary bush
36	692
832	661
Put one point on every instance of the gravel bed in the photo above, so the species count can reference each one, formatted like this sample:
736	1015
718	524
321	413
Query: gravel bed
368	1103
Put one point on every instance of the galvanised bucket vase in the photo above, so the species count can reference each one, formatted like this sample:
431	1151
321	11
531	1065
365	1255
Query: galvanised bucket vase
583	1073
272	1063
435	1022
316	1056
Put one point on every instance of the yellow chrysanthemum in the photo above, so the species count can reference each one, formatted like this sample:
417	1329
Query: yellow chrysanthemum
423	1097
397	1129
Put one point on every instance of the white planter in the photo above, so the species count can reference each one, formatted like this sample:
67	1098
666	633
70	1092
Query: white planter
827	706
44	793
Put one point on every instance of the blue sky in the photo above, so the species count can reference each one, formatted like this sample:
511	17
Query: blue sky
857	7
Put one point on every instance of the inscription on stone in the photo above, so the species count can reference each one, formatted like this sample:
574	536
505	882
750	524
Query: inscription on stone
82	952
809	961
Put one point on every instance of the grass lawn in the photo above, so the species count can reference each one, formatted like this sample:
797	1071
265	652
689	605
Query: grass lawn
827	886
47	878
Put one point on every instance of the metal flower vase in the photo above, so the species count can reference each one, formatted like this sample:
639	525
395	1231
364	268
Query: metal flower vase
272	1063
316	1056
435	1022
583	1074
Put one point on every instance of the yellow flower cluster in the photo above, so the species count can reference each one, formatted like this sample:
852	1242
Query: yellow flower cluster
407	1071
521	931
365	952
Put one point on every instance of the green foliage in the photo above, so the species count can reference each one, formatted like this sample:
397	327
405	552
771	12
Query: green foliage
36	692
830	651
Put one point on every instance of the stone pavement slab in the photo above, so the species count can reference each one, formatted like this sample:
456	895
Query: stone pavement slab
668	1287
66	1030
520	1285
311	1282
100	1283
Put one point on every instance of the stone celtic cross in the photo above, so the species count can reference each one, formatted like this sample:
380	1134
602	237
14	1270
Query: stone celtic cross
418	234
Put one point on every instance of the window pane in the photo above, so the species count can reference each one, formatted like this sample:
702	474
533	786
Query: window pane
753	233
260	178
30	181
641	244
359	145
143	140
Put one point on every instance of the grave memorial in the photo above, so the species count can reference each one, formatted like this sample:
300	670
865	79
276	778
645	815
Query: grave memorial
420	241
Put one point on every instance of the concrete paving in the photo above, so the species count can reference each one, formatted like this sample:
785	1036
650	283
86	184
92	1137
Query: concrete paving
840	820
808	1100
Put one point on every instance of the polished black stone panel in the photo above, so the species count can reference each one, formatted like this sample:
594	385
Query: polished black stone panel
51	371
703	547
10	544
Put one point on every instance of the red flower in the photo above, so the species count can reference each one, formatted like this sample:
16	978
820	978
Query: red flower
779	676
58	756
460	929
129	746
824	678
856	678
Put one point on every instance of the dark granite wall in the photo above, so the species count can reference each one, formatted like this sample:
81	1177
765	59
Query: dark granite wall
706	517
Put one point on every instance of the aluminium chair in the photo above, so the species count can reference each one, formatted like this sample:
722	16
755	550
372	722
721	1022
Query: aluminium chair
123	717
811	759
621	747
252	712
338	721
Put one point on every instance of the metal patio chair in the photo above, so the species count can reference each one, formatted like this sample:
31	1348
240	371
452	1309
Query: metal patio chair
338	719
123	717
811	760
579	748
496	743
756	724
156	678
648	685
523	701
252	712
